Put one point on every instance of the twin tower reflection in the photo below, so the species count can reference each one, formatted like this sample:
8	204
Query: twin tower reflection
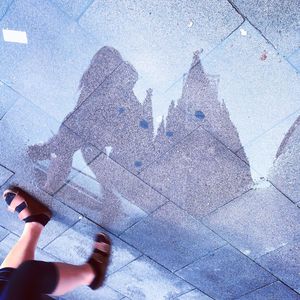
186	159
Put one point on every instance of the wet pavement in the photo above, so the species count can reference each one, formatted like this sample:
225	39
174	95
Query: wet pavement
172	125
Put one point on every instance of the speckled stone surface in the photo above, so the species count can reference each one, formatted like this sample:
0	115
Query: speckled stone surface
226	274
258	222
194	295
5	174
73	8
172	126
145	279
7	98
277	20
187	241
284	263
199	174
276	290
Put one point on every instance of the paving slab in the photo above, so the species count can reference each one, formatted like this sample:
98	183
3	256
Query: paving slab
253	80
177	25
275	290
79	239
30	136
285	264
294	59
114	199
257	222
4	6
277	20
7	98
63	216
285	172
145	279
104	292
73	8
50	77
274	156
187	241
5	174
199	174
3	233
194	295
226	274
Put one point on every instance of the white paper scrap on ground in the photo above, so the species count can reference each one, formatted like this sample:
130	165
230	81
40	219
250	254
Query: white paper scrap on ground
15	36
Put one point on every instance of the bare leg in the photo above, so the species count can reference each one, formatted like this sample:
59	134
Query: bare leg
71	277
25	247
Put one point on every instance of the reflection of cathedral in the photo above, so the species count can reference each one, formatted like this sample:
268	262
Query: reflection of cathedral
195	171
285	173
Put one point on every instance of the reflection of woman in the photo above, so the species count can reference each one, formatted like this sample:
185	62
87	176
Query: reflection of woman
93	118
22	277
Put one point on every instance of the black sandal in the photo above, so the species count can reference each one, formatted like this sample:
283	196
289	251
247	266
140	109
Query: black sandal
28	208
99	260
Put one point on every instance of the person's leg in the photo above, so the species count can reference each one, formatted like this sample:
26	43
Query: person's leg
25	247
35	278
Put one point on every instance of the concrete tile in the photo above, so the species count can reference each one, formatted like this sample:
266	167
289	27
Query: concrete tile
145	279
277	20
4	5
274	156
257	222
252	87
194	295
5	174
115	199
116	25
73	8
79	239
199	174
63	216
276	290
7	99
105	207
226	274
294	59
185	242
51	76
104	292
3	233
29	136
285	264
285	172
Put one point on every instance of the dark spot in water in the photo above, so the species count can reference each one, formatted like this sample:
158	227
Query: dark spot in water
138	163
169	133
144	124
199	114
121	110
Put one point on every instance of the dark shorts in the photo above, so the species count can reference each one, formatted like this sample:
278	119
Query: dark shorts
5	274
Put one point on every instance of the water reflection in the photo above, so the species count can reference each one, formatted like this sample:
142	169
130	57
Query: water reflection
108	115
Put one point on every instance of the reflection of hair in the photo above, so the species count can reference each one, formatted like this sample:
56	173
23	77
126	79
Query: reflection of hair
102	64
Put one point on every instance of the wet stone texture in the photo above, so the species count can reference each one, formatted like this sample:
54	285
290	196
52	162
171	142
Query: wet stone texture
226	274
182	145
276	290
258	222
277	20
284	263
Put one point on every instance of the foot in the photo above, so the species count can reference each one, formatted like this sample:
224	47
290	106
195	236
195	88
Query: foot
29	208
99	260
